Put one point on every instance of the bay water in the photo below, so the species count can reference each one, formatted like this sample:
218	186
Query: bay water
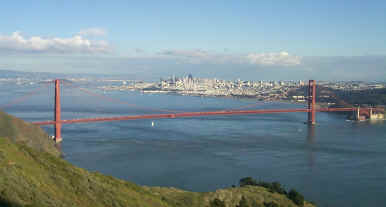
335	163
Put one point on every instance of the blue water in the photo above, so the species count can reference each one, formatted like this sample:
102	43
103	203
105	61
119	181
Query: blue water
335	163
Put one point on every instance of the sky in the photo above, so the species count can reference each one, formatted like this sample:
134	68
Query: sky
253	40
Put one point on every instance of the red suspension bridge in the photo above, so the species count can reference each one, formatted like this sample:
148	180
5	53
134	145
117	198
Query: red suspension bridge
311	110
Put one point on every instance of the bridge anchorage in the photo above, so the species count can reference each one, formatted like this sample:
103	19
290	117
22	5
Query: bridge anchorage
311	110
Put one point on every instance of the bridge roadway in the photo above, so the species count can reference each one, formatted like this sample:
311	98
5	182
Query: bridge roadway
190	114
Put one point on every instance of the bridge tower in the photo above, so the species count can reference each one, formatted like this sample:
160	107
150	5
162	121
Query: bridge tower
311	102
58	124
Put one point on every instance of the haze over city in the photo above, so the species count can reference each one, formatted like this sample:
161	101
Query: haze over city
254	40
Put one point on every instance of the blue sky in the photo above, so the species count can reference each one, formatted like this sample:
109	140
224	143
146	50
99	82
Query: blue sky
227	39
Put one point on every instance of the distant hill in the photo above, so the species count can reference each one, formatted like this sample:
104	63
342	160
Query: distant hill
372	97
31	174
13	74
23	74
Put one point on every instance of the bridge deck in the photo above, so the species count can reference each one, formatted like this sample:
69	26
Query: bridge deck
190	114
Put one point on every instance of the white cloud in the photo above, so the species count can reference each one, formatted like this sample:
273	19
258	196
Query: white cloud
76	44
195	56
139	50
202	56
95	31
274	59
198	56
197	53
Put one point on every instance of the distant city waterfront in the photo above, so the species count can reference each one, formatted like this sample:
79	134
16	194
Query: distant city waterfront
261	90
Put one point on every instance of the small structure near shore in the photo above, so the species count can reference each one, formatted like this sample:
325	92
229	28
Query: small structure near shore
369	114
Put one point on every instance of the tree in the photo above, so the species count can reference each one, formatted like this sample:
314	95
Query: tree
276	187
296	197
247	181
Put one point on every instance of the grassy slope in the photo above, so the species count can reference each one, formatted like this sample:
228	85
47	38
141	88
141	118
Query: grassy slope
21	132
32	177
28	177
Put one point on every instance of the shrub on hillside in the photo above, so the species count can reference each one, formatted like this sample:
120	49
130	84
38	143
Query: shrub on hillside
217	203
271	204
296	197
243	202
274	187
247	181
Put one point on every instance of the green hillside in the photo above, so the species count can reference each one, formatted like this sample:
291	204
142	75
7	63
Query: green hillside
21	132
35	178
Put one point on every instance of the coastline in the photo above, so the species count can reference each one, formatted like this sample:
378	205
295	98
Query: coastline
184	93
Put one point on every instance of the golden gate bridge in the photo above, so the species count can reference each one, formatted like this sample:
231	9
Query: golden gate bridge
57	122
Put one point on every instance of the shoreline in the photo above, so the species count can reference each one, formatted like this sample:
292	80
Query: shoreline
246	97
